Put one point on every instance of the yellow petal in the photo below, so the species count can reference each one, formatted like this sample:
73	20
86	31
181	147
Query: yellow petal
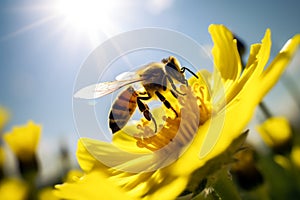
106	155
85	159
278	65
264	52
225	53
252	59
224	127
169	189
259	55
127	142
94	185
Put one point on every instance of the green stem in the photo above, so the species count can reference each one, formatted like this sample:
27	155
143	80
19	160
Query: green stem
265	110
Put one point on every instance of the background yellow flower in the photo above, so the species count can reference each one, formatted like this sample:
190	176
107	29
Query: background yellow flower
275	131
13	189
23	140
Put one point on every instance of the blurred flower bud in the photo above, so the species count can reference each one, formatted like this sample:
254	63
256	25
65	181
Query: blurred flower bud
23	141
276	132
13	189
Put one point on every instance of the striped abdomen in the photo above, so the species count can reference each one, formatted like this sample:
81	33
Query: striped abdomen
122	109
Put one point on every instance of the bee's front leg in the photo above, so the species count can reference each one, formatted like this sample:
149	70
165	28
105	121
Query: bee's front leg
145	109
173	85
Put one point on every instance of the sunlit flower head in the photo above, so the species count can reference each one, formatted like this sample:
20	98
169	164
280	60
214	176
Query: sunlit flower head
23	140
211	118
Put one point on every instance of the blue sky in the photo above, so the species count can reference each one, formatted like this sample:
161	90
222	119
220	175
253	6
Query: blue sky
41	54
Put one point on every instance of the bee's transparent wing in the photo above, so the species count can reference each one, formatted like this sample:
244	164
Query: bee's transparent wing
101	89
127	76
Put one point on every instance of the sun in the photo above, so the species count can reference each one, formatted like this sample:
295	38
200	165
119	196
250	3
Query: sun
88	16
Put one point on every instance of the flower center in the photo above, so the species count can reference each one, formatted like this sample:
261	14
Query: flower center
193	111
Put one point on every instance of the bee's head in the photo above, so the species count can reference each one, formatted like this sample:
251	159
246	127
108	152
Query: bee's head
173	69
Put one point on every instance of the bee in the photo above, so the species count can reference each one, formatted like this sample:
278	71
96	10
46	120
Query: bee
156	78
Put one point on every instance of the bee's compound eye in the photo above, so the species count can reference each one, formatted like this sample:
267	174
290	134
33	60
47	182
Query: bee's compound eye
174	60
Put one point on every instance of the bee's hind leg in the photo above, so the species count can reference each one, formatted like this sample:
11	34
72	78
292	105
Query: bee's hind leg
165	101
145	110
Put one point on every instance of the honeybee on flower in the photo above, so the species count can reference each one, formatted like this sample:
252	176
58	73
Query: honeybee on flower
156	78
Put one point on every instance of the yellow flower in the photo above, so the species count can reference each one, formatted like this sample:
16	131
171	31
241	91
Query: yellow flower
13	189
276	132
23	140
4	117
212	115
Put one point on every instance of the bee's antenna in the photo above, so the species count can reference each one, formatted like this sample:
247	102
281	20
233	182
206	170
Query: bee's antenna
185	68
